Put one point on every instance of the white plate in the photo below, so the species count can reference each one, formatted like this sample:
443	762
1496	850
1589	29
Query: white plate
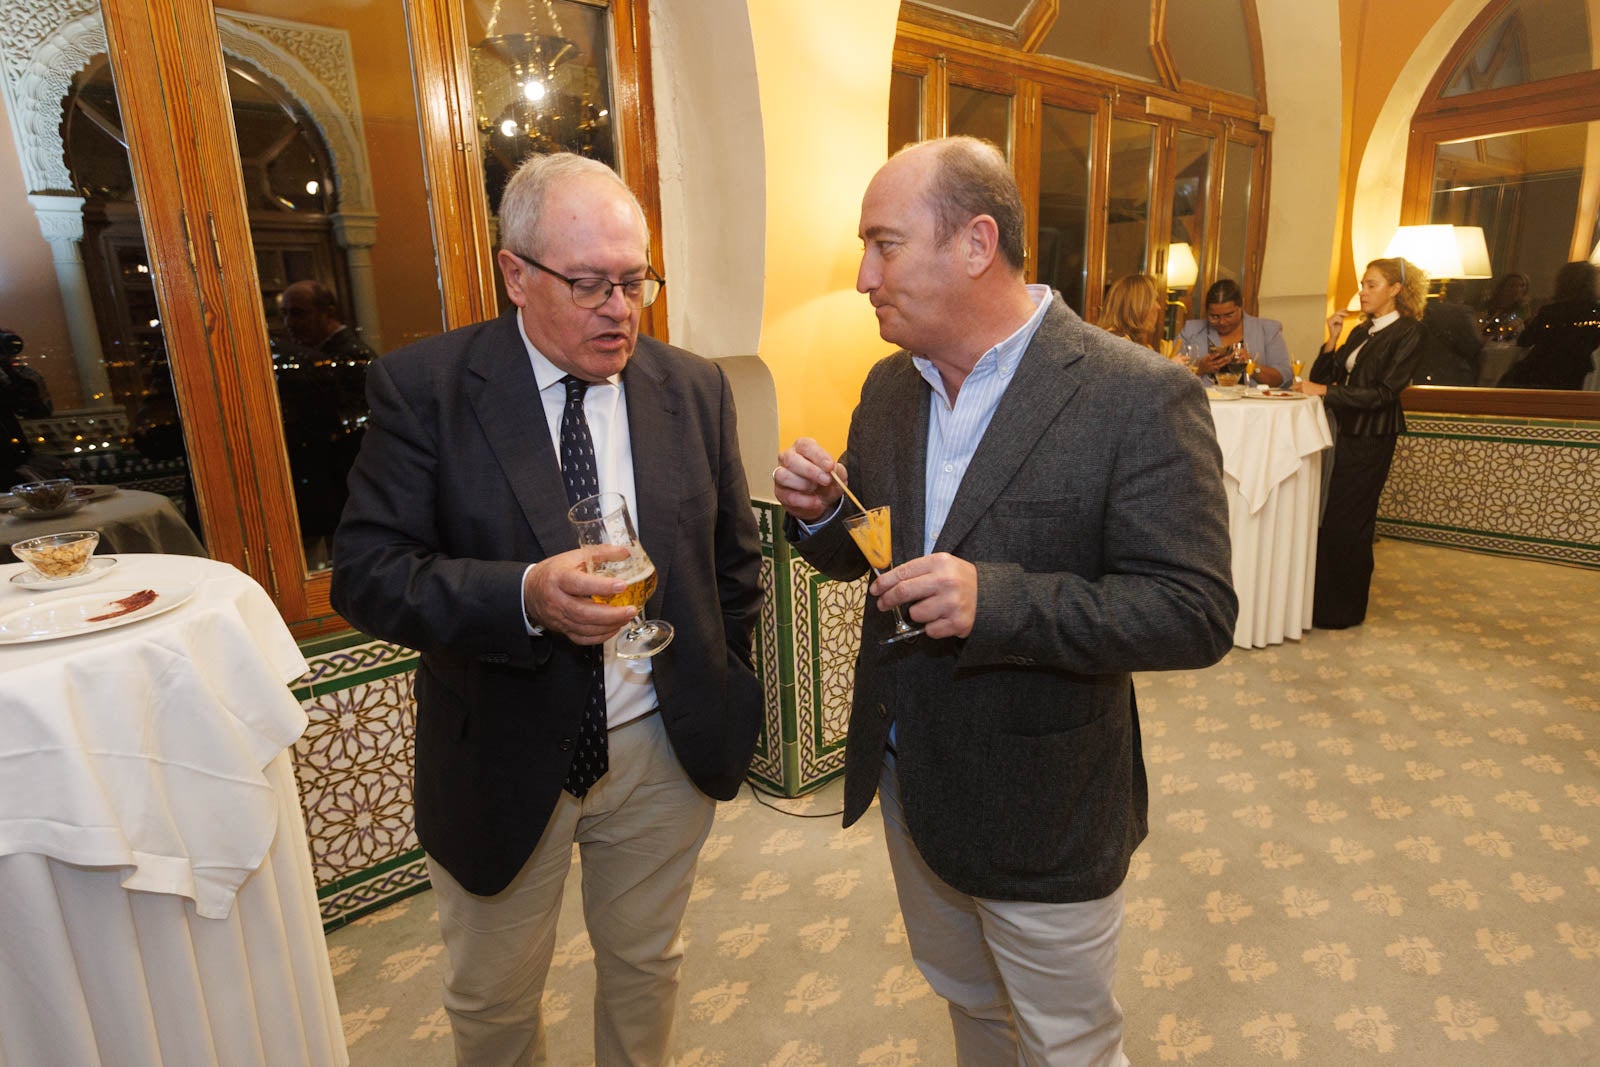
1276	394
87	493
97	568
45	620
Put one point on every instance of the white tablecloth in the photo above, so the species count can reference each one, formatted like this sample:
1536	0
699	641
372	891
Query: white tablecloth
1272	466
157	904
129	521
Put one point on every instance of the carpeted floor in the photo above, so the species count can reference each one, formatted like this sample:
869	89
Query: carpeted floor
1374	845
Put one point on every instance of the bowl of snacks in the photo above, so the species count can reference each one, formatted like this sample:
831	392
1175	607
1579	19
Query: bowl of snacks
44	496
59	555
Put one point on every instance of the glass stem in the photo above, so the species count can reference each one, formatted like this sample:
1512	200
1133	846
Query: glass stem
900	624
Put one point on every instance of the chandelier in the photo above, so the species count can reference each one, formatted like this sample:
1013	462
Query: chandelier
534	90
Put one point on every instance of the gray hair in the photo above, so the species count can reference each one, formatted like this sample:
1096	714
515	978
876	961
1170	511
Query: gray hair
970	178
523	200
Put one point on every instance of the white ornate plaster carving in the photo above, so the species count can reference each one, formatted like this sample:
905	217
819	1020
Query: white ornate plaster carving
47	42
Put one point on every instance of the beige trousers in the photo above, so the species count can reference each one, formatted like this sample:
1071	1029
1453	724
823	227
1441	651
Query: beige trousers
639	832
1027	983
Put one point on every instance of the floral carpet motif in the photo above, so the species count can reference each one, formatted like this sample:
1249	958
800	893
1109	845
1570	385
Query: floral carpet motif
1377	845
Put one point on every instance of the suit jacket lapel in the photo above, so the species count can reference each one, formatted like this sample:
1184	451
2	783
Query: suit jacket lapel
908	488
654	428
1044	382
505	398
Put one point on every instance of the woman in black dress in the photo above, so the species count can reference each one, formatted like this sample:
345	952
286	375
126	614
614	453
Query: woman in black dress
1360	383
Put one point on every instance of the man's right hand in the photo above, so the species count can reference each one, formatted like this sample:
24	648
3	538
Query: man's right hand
803	480
556	595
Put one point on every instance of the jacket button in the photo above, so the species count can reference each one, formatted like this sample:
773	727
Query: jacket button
883	712
566	744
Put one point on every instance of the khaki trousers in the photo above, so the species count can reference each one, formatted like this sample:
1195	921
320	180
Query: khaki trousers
638	832
1027	983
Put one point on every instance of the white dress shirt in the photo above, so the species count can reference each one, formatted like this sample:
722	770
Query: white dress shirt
1379	323
630	691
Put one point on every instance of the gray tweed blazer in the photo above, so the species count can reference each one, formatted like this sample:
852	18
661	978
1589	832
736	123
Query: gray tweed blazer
1094	511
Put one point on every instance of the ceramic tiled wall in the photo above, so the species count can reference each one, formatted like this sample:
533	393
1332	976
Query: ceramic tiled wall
1518	487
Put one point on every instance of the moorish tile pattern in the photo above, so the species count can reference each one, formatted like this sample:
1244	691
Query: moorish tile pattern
1518	487
354	768
810	632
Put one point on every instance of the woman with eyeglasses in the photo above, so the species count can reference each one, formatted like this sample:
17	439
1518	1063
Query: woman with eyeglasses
1360	383
1225	325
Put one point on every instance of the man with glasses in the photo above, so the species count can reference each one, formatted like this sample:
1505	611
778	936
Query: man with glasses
532	735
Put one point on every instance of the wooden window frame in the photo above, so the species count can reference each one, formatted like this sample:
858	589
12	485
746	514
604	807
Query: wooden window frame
947	50
167	61
1571	98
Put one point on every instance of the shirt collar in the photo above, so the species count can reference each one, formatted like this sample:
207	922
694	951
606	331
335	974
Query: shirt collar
546	373
1383	321
1004	356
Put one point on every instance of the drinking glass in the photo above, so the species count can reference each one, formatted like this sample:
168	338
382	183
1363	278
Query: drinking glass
603	519
1296	366
872	533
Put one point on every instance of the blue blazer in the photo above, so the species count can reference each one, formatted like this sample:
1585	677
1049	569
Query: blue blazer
1263	337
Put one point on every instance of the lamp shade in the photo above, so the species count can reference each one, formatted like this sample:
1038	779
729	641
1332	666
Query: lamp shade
1443	251
1182	270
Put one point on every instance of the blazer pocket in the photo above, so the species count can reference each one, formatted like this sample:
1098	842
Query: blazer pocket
1066	799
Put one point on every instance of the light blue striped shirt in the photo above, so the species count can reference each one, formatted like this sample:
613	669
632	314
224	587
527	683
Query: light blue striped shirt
954	430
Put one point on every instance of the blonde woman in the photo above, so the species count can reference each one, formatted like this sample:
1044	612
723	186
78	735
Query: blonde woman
1133	309
1360	383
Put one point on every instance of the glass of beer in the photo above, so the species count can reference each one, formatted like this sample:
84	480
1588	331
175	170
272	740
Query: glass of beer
873	534
603	519
1296	365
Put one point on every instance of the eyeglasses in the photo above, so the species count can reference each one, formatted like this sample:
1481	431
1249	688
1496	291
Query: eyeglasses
591	293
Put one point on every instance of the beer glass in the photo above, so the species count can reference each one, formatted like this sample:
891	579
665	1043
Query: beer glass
872	533
603	519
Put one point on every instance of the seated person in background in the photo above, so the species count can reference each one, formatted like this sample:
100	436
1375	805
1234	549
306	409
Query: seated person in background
1134	309
1507	308
23	395
1226	323
1452	345
1562	336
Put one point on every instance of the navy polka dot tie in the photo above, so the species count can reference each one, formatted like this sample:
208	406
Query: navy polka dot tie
579	471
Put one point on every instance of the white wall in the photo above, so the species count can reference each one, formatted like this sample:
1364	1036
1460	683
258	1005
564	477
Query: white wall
1300	48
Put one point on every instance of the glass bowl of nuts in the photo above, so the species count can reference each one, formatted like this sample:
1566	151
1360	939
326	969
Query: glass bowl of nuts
60	555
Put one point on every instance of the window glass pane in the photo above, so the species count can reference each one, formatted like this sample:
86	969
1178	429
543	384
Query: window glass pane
1209	44
1522	188
1128	207
1233	251
86	383
1532	40
332	172
905	110
976	113
541	83
1065	150
1191	168
1110	34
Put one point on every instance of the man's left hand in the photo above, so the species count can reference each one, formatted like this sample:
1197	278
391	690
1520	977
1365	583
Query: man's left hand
939	591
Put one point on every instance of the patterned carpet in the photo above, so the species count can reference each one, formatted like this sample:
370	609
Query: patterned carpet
1374	845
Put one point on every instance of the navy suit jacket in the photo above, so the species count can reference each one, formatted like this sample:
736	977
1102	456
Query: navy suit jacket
456	490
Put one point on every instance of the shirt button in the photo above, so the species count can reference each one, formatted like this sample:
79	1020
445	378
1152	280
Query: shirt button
948	467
